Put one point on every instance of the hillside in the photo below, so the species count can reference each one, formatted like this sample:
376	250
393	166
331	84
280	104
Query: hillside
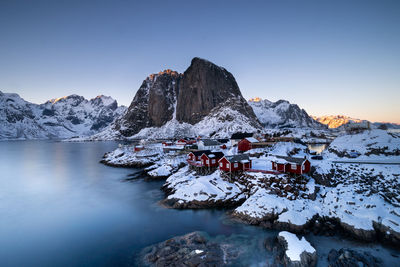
57	118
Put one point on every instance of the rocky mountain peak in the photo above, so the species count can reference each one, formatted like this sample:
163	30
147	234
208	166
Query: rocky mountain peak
203	87
282	114
183	100
153	104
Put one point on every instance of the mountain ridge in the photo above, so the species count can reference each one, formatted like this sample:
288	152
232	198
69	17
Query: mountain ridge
62	117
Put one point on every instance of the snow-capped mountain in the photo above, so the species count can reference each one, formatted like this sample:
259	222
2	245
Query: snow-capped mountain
339	121
282	114
57	118
205	100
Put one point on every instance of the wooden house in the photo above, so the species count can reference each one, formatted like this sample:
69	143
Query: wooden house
210	159
181	142
167	143
291	165
235	163
138	148
246	144
195	155
208	144
236	137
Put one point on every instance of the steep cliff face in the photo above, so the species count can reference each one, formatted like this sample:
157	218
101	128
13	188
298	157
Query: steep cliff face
169	104
153	104
205	86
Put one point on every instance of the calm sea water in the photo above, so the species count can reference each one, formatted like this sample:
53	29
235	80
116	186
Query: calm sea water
60	207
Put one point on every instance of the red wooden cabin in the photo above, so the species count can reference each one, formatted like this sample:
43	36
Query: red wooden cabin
195	155
211	159
167	143
291	165
246	144
138	148
181	142
234	163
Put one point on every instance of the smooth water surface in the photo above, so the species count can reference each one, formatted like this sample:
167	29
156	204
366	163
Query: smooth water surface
60	207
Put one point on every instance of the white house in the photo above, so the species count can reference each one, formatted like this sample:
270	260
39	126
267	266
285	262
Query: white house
208	144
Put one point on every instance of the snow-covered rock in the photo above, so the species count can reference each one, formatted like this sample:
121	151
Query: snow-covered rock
369	144
299	252
282	114
186	189
57	118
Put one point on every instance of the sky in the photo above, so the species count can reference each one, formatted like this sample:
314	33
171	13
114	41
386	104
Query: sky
329	57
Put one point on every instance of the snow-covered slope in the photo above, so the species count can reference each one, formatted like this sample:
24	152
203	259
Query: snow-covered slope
335	121
369	144
282	114
57	118
339	121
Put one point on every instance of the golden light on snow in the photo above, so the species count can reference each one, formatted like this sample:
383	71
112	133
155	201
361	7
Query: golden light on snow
57	99
255	99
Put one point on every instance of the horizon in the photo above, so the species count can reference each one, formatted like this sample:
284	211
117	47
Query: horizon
337	58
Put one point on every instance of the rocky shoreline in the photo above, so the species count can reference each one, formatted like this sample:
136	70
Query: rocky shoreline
283	249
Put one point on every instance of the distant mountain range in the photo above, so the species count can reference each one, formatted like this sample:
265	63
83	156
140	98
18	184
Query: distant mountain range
203	101
339	121
57	118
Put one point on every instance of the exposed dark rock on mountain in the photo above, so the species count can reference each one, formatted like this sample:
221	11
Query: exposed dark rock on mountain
153	104
205	86
203	90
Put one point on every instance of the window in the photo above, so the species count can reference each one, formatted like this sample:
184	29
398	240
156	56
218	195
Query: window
227	165
236	165
213	161
207	161
293	166
221	164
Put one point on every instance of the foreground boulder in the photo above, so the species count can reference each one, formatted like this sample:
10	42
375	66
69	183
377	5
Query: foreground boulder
349	257
298	252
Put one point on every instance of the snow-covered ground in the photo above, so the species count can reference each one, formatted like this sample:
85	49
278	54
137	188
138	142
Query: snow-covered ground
361	199
371	144
187	189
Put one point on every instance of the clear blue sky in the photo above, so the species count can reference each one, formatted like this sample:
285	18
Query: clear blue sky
329	57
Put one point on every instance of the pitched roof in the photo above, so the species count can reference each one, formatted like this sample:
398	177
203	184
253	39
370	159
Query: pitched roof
200	152
297	161
217	155
251	139
238	158
241	135
208	142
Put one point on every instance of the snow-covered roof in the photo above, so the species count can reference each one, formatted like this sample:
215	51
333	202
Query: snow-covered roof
238	158
251	139
210	142
283	159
